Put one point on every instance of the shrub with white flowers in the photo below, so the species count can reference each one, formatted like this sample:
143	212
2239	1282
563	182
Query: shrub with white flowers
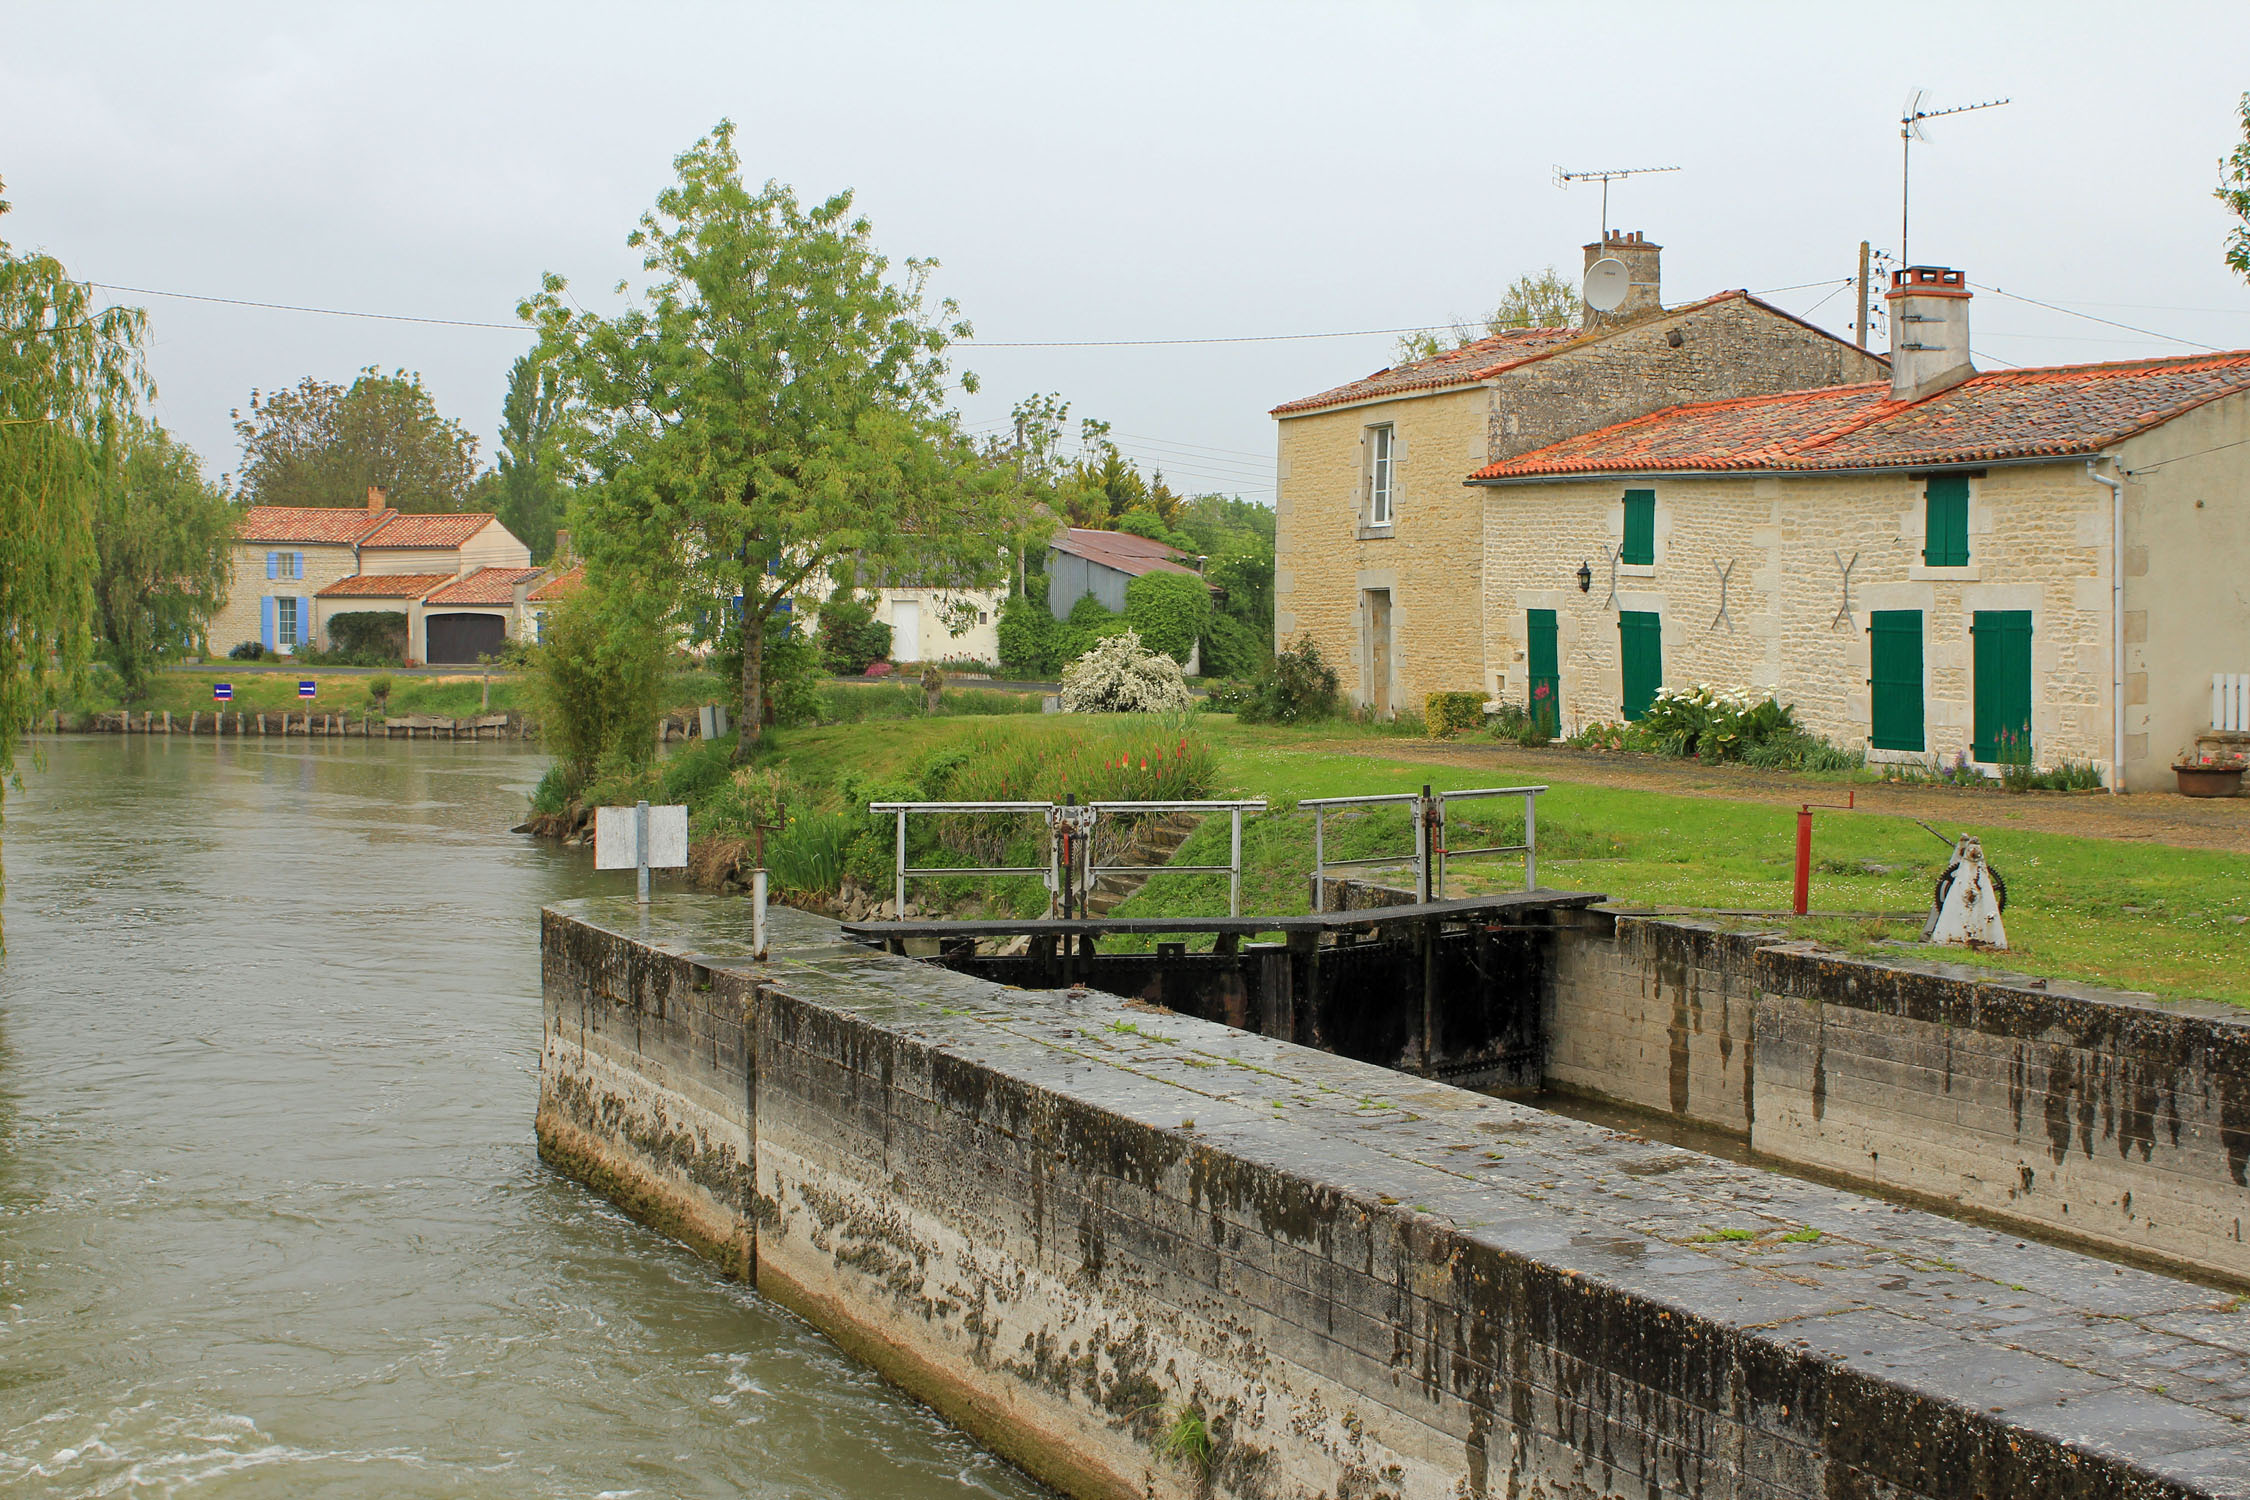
1121	676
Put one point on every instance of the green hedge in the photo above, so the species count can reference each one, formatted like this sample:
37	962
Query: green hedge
1445	713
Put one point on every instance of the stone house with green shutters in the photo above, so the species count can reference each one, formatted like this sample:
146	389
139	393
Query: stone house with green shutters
2026	564
1377	545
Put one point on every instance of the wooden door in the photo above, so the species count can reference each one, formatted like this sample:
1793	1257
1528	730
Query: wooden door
1544	669
2003	685
1640	650
1894	679
1379	651
906	630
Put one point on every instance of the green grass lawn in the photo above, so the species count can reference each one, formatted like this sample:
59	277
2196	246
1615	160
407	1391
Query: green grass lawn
454	695
2134	914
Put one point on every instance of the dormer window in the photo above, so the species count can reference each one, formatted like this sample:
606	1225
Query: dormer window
1379	475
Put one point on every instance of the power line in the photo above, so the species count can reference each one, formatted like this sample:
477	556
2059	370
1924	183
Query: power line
2198	453
2089	317
1264	458
327	312
973	343
1242	338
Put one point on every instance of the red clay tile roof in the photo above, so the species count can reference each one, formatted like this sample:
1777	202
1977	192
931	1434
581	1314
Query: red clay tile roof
384	586
484	586
1121	550
1480	359
1487	357
559	585
2062	411
337	525
442	530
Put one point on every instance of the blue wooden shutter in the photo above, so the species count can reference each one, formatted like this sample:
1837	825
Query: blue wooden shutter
1894	679
1640	529
266	625
273	565
297	563
304	623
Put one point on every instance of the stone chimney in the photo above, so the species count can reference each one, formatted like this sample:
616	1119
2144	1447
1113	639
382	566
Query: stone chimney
376	499
1641	261
560	560
1929	308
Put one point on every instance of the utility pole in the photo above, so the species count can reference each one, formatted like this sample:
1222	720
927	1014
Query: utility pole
1860	327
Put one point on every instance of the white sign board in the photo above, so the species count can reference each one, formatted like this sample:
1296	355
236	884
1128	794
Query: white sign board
613	838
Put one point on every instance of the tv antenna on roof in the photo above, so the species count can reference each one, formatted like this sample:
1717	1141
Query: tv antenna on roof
1565	179
1910	121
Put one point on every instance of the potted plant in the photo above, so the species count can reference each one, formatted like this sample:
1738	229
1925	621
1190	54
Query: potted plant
2210	773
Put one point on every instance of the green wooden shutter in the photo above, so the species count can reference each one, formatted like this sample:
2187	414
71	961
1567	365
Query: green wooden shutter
1640	529
1945	521
1894	640
1640	646
1546	671
2003	685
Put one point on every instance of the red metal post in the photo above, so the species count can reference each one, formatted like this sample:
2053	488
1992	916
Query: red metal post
1803	894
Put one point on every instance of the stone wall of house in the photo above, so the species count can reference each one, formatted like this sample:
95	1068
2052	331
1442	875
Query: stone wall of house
2187	581
1326	559
2038	541
1730	348
239	619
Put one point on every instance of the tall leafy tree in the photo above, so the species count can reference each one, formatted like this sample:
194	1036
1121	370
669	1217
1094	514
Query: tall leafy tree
161	532
318	443
1546	299
771	409
2234	192
532	492
70	376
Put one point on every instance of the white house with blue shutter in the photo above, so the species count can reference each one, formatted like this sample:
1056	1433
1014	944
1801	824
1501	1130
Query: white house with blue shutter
296	567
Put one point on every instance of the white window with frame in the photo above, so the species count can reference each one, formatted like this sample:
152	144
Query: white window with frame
1381	477
285	620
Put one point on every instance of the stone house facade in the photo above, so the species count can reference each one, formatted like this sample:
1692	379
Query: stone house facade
1930	567
458	578
1378	549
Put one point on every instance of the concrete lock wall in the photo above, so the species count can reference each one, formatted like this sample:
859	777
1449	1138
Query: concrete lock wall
2097	1114
1070	1221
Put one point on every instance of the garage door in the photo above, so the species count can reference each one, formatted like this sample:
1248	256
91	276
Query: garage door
460	639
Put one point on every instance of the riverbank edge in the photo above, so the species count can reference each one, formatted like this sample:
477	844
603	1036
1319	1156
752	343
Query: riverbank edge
914	1142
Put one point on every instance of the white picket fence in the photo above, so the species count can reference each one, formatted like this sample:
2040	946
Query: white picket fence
2230	701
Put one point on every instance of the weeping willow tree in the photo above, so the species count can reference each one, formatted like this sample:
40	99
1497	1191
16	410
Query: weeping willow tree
70	379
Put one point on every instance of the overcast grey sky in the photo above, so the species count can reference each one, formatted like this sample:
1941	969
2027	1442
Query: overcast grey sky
1092	172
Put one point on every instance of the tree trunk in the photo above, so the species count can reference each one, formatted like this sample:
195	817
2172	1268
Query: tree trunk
753	675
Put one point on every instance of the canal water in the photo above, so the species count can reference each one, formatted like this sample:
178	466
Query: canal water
271	1219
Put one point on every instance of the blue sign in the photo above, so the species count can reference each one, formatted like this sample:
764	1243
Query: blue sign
305	688
222	691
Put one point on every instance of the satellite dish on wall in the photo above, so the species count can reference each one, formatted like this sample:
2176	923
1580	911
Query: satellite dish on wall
1607	283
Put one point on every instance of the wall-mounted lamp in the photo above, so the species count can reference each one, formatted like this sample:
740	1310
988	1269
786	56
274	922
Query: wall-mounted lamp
1585	578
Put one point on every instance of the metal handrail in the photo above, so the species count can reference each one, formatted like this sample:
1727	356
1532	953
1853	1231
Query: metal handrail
1428	812
1083	857
1529	848
1234	808
1052	870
